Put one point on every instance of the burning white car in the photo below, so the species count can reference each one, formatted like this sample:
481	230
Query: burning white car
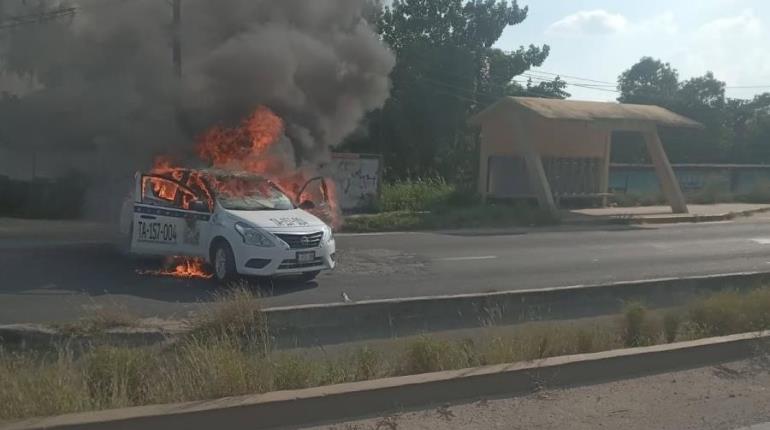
240	223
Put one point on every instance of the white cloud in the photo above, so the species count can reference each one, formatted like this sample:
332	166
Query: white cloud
746	25
664	23
597	21
733	47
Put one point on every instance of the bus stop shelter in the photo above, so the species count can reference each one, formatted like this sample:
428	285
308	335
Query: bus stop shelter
554	149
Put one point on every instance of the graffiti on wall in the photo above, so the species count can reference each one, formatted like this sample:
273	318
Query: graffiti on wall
357	177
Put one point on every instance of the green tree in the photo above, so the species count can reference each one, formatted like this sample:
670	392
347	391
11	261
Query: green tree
649	81
749	124
446	69
702	98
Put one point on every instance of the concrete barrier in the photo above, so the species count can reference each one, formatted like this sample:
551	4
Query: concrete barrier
325	324
377	319
328	404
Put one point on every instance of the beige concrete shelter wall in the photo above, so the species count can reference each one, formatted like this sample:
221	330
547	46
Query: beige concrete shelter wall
550	138
536	128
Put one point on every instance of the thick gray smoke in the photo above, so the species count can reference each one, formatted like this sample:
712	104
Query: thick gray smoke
103	77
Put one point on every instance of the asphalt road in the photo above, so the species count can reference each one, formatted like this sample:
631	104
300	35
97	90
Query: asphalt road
48	281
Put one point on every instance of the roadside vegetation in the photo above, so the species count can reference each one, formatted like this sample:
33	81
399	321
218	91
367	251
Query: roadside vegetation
227	352
433	203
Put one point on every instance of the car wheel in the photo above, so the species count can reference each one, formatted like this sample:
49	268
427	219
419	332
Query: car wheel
223	262
309	276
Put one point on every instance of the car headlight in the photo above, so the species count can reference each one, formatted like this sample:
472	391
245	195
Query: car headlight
253	236
328	234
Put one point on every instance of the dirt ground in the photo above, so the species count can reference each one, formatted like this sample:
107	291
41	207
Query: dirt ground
728	396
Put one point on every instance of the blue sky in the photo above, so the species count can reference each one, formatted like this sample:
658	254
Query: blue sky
598	39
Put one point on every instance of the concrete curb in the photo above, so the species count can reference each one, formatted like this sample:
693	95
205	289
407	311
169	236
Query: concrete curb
37	336
345	401
694	218
332	323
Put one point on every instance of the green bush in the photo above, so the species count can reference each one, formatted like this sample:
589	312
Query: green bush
415	195
292	372
638	328
671	322
118	377
427	354
719	314
367	363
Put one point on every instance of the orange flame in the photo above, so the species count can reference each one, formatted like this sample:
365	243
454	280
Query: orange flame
250	147
181	267
247	147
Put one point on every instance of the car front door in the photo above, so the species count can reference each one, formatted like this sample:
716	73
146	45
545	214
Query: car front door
314	197
169	219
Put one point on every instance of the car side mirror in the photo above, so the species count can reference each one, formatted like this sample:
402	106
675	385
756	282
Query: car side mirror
306	205
199	206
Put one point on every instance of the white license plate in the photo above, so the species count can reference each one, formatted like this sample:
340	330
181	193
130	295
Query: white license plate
158	232
305	257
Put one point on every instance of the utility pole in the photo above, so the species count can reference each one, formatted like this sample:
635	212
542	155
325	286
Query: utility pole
176	44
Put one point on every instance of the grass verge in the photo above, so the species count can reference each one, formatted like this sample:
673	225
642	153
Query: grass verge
450	218
227	353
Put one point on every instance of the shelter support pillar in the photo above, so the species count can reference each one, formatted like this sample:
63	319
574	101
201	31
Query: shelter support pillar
668	182
537	178
604	174
483	179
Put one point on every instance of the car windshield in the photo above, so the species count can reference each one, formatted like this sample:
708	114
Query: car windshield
248	193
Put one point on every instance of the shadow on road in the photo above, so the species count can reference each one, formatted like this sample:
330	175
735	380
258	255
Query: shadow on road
98	270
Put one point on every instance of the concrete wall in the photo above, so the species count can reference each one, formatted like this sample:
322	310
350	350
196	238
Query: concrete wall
737	179
357	177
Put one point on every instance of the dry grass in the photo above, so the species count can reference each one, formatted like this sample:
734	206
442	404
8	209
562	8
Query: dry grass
227	354
236	313
98	319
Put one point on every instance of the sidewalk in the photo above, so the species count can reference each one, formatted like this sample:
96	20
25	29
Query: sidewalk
730	396
661	214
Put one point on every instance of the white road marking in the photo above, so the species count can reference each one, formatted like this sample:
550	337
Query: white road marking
761	240
384	233
480	257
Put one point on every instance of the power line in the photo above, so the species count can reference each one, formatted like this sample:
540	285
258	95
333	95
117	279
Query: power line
574	84
37	18
573	77
608	84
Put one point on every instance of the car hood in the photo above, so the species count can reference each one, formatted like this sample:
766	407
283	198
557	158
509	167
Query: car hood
294	220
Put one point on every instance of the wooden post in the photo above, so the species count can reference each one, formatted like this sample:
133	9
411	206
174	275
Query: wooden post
668	182
604	174
537	178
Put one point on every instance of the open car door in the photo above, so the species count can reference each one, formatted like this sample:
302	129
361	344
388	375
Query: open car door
169	218
314	197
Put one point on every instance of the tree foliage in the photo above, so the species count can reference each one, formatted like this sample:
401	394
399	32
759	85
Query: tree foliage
447	68
735	131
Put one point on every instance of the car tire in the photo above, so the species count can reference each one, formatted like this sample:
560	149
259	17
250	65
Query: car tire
309	276
223	262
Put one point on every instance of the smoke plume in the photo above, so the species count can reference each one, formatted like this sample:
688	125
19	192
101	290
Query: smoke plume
103	76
